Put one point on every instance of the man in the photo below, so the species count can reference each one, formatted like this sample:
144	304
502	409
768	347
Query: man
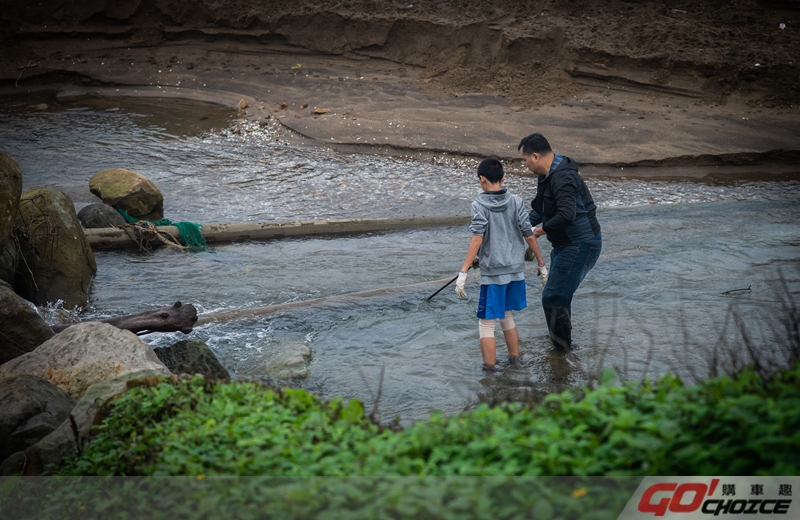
566	210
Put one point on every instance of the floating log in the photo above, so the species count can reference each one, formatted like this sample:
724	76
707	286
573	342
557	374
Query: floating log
179	317
107	238
347	298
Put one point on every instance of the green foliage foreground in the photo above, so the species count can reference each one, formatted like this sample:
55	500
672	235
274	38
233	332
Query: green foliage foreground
323	459
730	425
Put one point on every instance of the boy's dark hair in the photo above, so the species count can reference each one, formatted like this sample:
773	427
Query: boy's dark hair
492	169
534	143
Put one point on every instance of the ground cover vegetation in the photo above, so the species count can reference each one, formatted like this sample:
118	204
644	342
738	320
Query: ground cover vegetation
730	425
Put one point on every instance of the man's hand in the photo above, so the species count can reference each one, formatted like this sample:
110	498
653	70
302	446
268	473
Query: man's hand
538	232
460	283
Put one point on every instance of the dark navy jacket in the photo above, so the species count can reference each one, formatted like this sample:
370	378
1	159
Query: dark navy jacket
564	206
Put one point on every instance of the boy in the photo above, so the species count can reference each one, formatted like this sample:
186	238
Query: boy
500	228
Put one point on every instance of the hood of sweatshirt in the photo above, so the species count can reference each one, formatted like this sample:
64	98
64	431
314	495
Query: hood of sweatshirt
494	200
566	164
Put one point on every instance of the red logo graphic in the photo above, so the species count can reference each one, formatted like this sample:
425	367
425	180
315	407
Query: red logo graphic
675	502
689	497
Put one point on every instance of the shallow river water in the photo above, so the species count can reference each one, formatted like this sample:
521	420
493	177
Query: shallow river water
655	301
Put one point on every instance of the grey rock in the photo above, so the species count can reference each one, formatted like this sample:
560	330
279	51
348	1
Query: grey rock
288	360
32	408
68	437
10	191
192	356
59	260
85	354
13	465
100	216
21	327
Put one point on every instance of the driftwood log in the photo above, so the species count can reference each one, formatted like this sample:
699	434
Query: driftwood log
179	317
108	238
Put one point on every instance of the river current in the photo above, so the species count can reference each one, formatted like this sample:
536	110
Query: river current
664	295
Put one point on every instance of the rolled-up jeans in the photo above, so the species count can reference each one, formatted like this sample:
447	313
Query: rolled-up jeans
568	268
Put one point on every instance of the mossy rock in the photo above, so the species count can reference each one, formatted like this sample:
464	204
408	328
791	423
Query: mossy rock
10	191
57	262
130	191
9	261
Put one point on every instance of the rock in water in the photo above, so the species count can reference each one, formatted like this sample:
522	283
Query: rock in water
192	356
100	216
59	263
32	408
62	442
21	327
10	191
129	190
83	355
289	360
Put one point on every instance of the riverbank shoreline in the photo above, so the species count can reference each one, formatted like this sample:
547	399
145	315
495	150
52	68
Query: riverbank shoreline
661	110
729	164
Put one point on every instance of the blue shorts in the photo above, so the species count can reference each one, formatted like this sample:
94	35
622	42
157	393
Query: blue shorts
497	299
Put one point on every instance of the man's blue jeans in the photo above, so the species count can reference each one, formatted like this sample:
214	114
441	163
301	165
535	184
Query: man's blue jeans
568	268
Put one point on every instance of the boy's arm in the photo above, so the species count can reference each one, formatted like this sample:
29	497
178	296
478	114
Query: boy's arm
478	228
472	252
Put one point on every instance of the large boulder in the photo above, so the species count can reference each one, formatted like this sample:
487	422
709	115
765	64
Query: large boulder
10	191
58	259
71	435
100	216
83	355
192	356
21	327
33	407
129	190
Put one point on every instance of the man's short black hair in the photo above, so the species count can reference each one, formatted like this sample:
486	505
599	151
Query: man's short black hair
492	169
534	143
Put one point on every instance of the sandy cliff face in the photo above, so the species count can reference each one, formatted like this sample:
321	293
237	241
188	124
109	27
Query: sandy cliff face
531	52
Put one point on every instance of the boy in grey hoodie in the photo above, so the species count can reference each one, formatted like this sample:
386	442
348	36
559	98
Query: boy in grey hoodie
500	229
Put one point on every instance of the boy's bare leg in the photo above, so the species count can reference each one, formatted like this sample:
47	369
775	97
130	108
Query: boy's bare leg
488	351
512	341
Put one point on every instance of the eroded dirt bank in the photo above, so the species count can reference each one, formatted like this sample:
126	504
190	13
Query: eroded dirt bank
699	87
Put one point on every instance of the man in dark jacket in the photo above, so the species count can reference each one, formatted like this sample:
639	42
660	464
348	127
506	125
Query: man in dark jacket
566	210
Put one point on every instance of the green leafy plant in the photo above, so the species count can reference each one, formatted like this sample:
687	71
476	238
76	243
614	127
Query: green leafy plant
741	424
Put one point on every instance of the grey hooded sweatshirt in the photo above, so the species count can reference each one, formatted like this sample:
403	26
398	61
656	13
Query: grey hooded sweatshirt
502	220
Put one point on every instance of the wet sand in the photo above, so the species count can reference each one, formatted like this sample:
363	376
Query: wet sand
628	89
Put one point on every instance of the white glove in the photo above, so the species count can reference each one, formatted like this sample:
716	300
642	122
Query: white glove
541	270
460	282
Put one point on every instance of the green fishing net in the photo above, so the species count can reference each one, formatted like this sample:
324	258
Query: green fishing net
190	234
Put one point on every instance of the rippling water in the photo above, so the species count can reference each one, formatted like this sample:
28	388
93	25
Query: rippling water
654	302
